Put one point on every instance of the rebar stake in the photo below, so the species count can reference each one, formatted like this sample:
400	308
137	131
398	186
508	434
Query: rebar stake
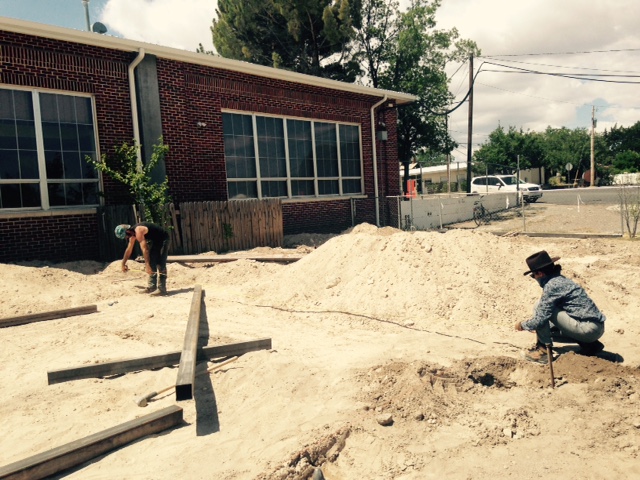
550	357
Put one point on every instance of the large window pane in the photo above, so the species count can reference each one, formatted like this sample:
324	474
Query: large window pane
328	187
239	190
68	136
350	150
301	188
238	145
55	167
300	148
90	193
29	164
9	165
10	196
351	186
30	195
271	147
274	189
326	149
26	134
8	134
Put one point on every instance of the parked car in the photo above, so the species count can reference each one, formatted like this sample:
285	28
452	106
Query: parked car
506	183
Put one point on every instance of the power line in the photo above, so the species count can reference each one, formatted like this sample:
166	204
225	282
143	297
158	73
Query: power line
562	53
563	75
563	66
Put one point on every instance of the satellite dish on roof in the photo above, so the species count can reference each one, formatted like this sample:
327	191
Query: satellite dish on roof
98	27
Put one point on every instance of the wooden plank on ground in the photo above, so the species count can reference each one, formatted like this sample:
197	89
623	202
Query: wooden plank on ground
75	453
157	361
227	258
187	368
52	315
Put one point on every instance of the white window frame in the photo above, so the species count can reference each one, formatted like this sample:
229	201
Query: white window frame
340	178
43	180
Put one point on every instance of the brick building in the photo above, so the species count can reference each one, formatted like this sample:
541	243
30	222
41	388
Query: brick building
234	130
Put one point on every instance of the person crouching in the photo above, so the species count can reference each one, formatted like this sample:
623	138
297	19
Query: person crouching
564	311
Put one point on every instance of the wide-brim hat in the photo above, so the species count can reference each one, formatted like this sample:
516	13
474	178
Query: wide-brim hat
539	260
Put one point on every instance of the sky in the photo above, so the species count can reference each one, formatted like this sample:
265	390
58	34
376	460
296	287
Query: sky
577	38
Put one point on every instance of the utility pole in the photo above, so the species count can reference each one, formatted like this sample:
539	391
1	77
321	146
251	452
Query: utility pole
448	158
592	178
470	130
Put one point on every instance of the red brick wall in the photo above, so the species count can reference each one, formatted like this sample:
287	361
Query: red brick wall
54	238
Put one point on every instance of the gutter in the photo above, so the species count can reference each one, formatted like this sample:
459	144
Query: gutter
213	61
134	104
375	157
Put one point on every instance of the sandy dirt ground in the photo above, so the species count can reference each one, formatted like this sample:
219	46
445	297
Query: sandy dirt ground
394	357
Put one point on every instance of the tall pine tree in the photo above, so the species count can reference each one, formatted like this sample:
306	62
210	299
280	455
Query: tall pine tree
306	36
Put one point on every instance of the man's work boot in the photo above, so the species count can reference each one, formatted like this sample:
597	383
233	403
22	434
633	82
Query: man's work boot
152	285
590	349
537	354
162	283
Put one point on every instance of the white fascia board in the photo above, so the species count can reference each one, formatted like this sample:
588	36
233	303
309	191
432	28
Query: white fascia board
108	41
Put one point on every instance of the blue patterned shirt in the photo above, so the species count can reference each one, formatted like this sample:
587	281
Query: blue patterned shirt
558	292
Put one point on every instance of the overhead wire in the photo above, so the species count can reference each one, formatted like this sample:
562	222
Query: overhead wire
562	53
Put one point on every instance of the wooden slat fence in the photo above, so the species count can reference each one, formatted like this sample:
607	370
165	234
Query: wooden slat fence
197	227
235	225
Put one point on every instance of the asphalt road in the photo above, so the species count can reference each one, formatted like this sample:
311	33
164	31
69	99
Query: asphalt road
582	196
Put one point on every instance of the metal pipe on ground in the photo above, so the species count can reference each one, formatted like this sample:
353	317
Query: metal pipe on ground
143	401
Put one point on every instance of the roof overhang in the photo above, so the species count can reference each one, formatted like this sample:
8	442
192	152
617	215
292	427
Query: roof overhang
108	41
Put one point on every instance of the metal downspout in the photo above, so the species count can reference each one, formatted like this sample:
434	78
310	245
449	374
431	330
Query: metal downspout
375	157
134	104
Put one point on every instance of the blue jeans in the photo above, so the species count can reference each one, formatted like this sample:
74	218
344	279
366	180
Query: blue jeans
570	328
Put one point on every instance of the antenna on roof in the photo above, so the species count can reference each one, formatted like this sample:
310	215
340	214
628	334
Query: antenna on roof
86	13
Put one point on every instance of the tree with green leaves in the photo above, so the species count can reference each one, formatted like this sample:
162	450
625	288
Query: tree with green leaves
505	150
623	148
404	51
564	146
305	36
124	167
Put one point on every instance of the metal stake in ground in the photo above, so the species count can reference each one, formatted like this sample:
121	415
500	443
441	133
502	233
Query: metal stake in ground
550	357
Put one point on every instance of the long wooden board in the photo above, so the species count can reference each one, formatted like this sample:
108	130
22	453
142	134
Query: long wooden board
52	315
75	453
227	258
187	367
156	361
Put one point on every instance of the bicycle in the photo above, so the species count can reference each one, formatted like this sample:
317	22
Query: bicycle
480	214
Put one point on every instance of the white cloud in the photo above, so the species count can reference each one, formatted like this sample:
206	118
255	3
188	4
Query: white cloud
174	23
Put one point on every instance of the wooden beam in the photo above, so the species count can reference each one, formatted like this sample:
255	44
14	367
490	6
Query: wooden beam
52	315
227	258
187	367
157	361
75	453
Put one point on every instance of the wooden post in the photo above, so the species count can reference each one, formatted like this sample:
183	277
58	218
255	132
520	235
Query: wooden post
187	367
52	315
157	361
75	453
